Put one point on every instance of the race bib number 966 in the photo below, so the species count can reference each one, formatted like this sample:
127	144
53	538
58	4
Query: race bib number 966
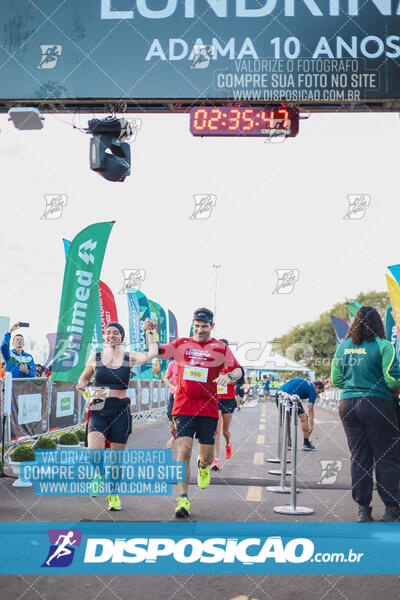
195	374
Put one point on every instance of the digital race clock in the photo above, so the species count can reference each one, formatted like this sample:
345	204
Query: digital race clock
244	120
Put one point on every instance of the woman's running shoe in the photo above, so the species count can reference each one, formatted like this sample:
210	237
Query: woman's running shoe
95	485
114	503
203	476
228	450
182	508
216	465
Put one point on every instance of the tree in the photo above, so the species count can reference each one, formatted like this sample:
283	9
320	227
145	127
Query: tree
313	344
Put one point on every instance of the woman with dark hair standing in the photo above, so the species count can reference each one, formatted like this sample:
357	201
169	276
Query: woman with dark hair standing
110	416
365	367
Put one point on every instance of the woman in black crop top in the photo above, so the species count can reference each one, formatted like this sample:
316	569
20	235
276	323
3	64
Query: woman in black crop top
111	369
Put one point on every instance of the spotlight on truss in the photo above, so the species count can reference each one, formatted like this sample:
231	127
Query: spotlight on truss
110	154
25	117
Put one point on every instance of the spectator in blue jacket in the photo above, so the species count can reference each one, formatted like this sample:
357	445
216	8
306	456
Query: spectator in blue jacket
19	363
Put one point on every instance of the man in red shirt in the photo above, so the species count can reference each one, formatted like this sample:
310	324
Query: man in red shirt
200	360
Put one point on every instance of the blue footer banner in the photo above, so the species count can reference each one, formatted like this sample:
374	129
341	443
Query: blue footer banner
223	548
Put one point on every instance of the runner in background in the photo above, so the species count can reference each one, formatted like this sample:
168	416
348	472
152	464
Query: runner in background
200	361
171	379
226	405
246	389
306	391
266	387
239	393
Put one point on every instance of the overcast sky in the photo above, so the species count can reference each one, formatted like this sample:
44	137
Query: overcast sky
279	206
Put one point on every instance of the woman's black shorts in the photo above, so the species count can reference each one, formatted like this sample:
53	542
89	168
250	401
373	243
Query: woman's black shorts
227	405
114	420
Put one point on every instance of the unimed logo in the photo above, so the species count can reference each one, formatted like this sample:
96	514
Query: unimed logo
190	550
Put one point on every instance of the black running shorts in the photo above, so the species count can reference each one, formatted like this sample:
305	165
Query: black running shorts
203	428
301	410
300	407
227	405
114	421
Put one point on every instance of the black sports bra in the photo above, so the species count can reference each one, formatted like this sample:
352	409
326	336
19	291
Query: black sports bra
115	379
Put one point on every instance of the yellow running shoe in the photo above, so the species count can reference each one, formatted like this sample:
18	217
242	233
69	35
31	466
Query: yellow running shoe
182	508
203	476
114	503
95	485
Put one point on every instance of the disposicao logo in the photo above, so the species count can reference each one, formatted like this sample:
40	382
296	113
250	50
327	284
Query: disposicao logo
191	550
62	547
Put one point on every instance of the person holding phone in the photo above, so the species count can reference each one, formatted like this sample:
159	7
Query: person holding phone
18	362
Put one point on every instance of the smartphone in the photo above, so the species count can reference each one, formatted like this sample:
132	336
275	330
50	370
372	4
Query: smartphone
21	324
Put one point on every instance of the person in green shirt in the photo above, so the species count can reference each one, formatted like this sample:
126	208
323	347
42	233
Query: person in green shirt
365	367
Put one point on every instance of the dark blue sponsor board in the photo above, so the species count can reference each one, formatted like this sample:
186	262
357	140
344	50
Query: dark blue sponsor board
223	548
265	50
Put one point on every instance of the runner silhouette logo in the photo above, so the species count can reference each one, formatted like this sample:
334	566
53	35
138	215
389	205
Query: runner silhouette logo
50	55
63	543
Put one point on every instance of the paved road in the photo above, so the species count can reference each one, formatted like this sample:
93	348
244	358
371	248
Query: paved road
237	493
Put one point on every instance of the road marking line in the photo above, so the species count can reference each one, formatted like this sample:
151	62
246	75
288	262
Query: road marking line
264	411
261	427
262	419
254	493
260	439
258	458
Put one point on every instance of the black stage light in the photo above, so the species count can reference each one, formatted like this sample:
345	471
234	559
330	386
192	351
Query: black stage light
110	155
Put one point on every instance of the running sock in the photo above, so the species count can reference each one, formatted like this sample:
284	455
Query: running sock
184	495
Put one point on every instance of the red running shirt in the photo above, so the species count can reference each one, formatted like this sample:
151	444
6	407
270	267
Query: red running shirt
199	363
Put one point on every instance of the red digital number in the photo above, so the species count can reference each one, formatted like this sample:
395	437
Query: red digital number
285	117
235	119
200	119
212	122
248	119
270	120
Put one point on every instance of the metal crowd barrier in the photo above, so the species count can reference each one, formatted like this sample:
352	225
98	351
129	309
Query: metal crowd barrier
34	407
288	420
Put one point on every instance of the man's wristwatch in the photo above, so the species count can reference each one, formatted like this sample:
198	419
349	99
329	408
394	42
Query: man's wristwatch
231	377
